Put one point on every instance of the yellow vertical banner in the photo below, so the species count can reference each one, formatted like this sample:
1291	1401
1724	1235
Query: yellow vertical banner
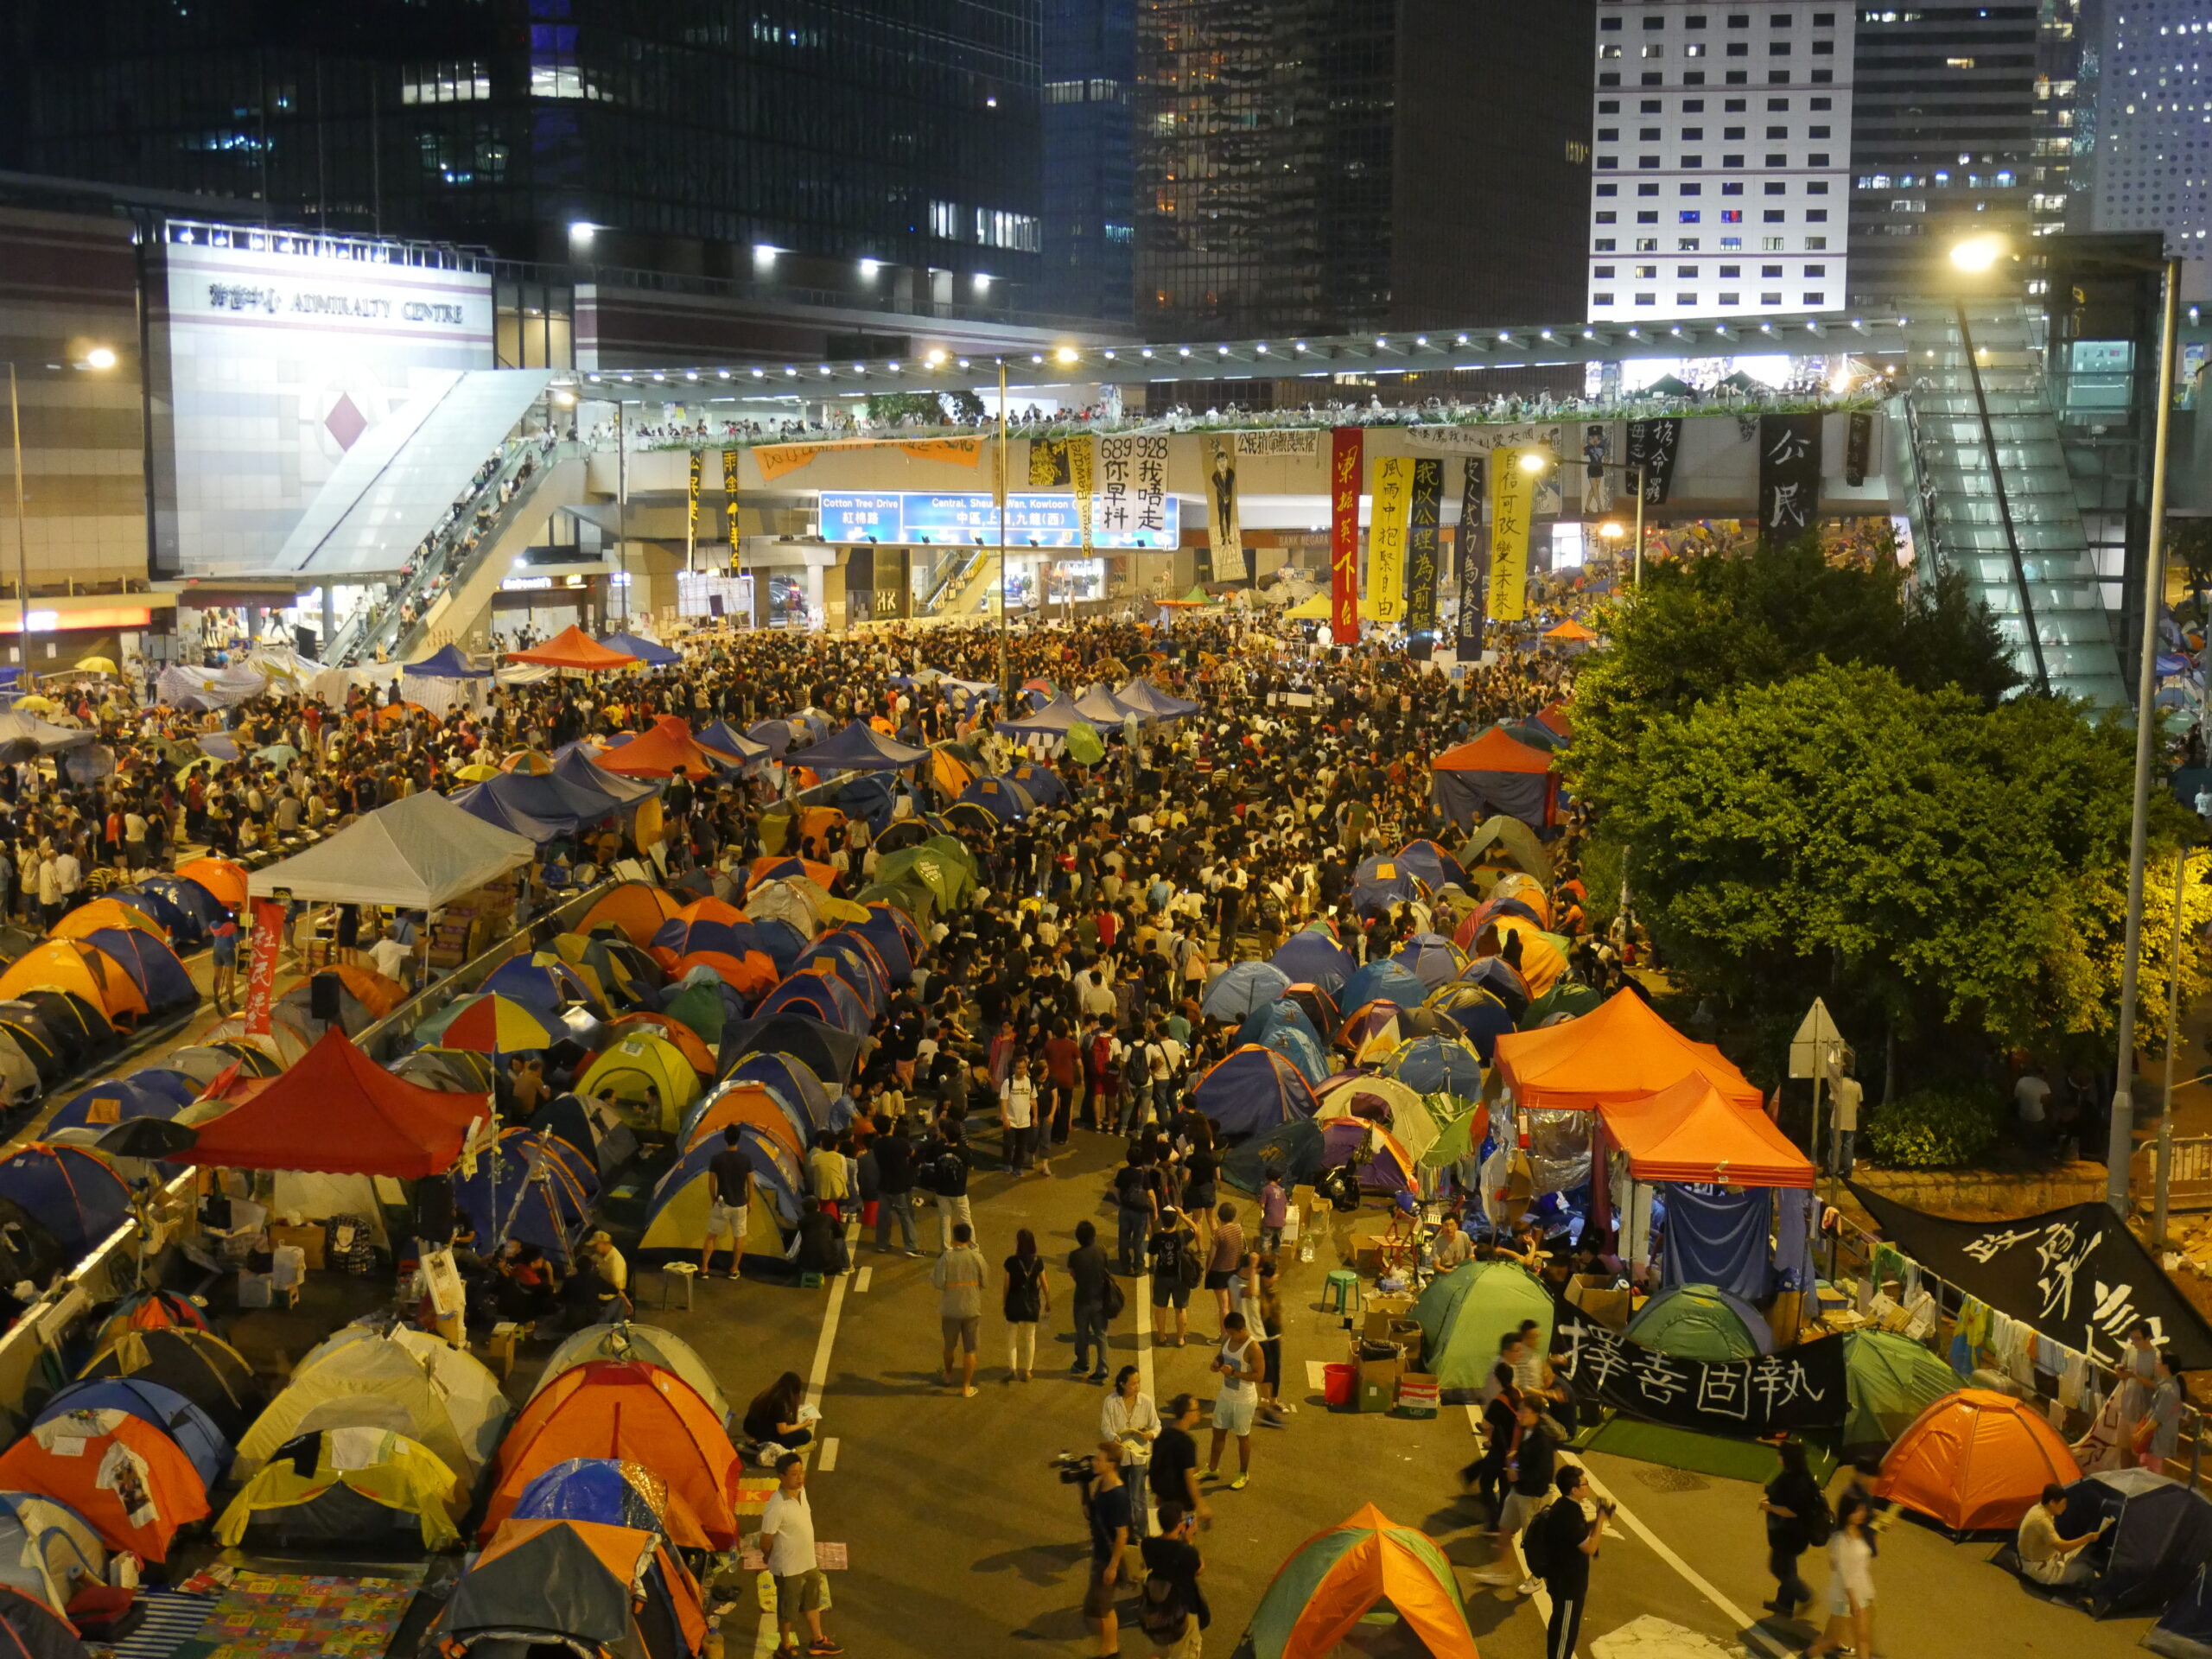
1083	453
1512	498
1392	480
729	500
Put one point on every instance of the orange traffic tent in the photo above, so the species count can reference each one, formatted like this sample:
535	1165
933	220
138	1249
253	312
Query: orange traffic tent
624	1409
225	880
1691	1132
339	1113
745	1103
81	969
658	751
573	648
1620	1051
1975	1460
637	908
1334	1579
131	1482
1495	773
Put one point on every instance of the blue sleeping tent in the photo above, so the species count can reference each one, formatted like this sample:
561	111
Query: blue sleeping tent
160	978
791	1081
1384	981
74	1194
96	1106
1254	1090
1284	1027
2161	1535
1434	1065
2185	1630
1311	958
1242	987
1378	883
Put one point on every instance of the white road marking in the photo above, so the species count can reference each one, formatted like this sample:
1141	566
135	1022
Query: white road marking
829	1458
860	1281
1142	1296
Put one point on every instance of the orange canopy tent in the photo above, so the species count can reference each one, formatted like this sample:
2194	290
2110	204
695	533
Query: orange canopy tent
131	1483
225	880
1570	633
1495	773
1691	1132
339	1113
658	751
83	970
1332	1580
1620	1050
573	648
1975	1460
624	1409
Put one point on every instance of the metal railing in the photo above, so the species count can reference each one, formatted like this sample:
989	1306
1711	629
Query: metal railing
2189	1181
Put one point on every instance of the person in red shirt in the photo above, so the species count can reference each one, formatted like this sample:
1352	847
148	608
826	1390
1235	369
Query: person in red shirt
1063	1055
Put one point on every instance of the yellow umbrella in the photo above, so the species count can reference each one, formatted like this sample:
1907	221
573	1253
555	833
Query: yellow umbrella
97	665
37	705
479	774
842	909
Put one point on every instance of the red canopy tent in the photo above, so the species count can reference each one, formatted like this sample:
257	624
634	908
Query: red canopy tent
658	751
573	648
339	1113
1690	1131
1619	1052
1496	773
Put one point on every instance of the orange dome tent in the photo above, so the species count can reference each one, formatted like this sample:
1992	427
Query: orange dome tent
82	970
624	1409
688	1041
740	1103
219	876
637	908
748	975
1335	1578
131	1482
1975	1460
106	912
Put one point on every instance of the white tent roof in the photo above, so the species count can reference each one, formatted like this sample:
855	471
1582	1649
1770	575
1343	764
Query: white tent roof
417	854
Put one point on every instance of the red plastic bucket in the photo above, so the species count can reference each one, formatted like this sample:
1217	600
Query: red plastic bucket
1339	1384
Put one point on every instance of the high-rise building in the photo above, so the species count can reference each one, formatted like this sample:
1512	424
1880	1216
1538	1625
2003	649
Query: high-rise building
1946	125
1721	135
2145	110
840	147
1090	181
1323	166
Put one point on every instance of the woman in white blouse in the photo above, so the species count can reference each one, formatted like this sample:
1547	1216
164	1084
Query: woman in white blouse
1851	1581
1128	1416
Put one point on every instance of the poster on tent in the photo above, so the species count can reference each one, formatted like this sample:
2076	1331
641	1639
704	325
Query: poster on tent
1795	1391
261	966
2077	1275
1345	444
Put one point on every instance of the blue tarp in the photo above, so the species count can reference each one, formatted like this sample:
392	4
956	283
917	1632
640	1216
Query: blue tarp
1716	1238
650	652
1253	1091
479	801
601	1490
859	747
447	663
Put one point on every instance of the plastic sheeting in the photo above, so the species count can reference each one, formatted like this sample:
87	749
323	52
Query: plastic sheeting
1718	1237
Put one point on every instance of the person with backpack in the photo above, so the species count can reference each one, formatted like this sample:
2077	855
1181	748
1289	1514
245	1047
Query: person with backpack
1028	1297
1797	1520
1136	1213
1530	1463
1561	1543
1177	1270
947	1169
1172	1609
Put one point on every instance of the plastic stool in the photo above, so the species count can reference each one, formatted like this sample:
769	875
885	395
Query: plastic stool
675	1276
1340	1292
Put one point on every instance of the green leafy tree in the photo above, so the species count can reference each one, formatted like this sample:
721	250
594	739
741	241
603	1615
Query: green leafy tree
889	406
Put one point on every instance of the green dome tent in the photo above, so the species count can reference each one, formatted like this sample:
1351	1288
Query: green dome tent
1464	1313
1332	1581
1701	1322
1892	1379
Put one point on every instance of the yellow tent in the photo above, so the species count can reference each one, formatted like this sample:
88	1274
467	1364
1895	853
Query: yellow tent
637	1063
387	1468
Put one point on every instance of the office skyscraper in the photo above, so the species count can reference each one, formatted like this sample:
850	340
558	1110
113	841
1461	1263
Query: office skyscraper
1325	166
1089	170
1721	135
2148	111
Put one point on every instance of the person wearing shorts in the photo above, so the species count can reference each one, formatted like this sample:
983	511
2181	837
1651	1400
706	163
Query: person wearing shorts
731	1172
1168	1248
787	1540
225	939
958	1275
1238	1363
1106	1504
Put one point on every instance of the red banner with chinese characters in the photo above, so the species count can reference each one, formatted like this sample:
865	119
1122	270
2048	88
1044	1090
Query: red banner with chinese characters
1344	534
261	967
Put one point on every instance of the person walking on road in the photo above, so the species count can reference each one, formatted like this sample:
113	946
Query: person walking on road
948	1173
958	1276
894	1183
1174	1253
1851	1582
1796	1521
1028	1297
1530	1465
1174	1472
1171	1608
1087	1266
1017	1115
787	1539
1238	1363
1566	1538
1106	1501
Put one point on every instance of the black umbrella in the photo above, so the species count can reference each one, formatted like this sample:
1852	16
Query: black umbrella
154	1139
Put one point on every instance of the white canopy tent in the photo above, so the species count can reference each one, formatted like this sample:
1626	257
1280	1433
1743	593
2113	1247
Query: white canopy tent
417	854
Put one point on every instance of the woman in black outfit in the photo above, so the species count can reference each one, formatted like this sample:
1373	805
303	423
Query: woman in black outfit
773	1414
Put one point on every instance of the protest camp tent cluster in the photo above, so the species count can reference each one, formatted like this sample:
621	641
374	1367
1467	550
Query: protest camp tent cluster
1495	773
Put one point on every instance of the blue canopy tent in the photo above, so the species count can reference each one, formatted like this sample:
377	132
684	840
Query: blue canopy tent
579	770
1254	1090
1384	981
859	747
479	801
446	662
1310	958
1242	987
1438	1066
1103	709
650	652
192	1429
721	740
1054	720
1379	883
550	799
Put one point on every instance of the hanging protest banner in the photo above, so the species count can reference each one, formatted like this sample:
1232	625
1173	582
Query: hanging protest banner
1083	475
1857	448
261	965
1653	446
1474	561
1301	443
1386	537
691	521
1225	535
1511	490
1798	1389
1345	448
1423	519
1790	476
729	499
2077	1275
1048	463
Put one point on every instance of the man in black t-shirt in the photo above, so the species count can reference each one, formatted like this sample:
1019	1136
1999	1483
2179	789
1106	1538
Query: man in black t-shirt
1174	1555
894	1186
1569	1539
731	1172
1173	1473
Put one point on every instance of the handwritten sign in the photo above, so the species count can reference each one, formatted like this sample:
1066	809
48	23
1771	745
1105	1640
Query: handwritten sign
1798	1389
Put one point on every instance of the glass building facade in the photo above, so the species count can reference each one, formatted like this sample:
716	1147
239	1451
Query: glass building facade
702	137
1088	121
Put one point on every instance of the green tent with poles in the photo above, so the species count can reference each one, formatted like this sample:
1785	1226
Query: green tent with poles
1891	1380
1463	1314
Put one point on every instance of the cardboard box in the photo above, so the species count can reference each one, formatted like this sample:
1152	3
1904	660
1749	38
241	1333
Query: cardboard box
1419	1395
309	1239
1376	1396
1379	1320
1596	1294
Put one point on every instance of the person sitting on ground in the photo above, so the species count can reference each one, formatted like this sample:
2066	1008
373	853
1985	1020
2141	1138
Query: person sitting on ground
774	1415
2045	1556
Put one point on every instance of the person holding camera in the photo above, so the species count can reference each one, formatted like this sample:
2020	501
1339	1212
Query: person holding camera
1562	1541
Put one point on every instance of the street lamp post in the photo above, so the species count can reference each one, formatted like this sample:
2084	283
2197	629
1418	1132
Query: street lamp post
998	600
1541	460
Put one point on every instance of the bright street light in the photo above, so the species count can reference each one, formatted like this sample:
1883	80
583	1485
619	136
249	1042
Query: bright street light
1978	253
1612	529
101	357
1066	354
1533	460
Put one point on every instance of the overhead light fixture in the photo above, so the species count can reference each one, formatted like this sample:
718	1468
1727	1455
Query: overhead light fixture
936	359
1066	354
869	267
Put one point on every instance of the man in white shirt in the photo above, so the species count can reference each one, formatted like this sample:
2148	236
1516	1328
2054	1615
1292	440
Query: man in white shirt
787	1539
388	958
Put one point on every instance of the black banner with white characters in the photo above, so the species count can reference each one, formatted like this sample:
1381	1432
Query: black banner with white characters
1795	1391
1473	545
2077	1275
1790	476
1653	445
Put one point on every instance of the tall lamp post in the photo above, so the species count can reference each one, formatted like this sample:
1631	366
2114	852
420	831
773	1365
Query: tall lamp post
998	590
95	357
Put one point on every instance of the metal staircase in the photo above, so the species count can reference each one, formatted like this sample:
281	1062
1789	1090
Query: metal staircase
1991	496
964	590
